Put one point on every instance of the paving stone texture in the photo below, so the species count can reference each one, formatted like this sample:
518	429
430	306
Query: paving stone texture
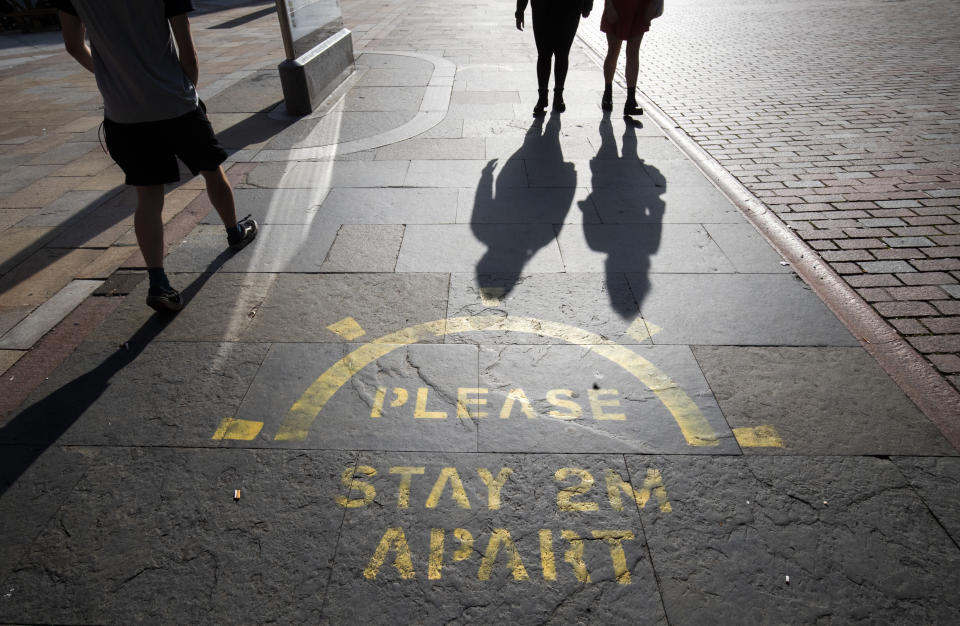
842	119
477	366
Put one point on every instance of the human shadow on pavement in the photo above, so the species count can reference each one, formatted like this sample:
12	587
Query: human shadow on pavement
40	425
627	193
514	221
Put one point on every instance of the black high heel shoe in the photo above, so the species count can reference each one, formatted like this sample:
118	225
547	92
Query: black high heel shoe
606	103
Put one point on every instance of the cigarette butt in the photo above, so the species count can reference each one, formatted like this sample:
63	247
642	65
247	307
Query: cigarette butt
788	580
236	494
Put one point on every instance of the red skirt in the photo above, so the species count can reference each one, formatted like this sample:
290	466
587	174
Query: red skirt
631	22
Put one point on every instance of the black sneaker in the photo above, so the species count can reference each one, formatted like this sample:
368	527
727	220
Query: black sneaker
164	300
237	239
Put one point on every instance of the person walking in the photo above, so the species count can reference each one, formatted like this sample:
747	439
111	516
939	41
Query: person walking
625	20
554	27
146	67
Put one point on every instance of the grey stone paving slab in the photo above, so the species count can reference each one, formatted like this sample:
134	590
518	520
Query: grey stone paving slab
275	206
394	77
855	541
65	207
631	145
599	304
391	206
465	173
155	535
10	217
219	307
484	97
65	153
737	309
47	315
518	205
510	146
339	126
690	204
15	179
486	248
819	401
647	247
154	394
596	173
441	149
10	316
277	248
937	480
301	308
258	92
581	401
406	399
34	482
379	99
320	175
364	248
747	249
529	556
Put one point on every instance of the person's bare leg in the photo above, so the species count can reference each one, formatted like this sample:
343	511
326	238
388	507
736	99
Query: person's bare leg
632	71
633	61
610	61
221	196
148	224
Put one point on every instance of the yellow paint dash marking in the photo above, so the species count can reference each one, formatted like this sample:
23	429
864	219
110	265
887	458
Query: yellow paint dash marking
758	437
241	430
347	328
492	296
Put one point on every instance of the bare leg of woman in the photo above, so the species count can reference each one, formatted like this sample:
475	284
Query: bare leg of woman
632	72
609	69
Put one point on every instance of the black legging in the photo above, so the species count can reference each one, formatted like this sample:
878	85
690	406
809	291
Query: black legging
554	27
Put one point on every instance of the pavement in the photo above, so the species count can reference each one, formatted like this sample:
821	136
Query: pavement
479	365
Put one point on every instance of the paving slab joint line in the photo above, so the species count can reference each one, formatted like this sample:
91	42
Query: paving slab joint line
916	376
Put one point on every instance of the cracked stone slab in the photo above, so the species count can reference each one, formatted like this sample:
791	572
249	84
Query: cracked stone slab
34	482
937	480
597	303
155	535
337	127
392	397
654	247
391	206
464	173
277	248
515	205
738	309
689	204
747	249
526	555
573	399
856	542
275	206
219	307
147	394
304	307
364	248
486	248
796	391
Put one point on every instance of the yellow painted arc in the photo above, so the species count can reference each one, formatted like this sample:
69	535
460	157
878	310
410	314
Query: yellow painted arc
694	426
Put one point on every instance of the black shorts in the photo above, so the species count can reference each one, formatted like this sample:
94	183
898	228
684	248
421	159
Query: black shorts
147	151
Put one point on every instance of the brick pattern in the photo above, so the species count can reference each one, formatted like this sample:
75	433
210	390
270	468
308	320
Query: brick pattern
843	118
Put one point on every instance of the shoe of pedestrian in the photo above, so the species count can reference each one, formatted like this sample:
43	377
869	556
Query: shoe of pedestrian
558	104
541	106
164	300
607	102
630	107
244	233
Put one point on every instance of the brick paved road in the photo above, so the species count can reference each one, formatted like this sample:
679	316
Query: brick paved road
842	117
